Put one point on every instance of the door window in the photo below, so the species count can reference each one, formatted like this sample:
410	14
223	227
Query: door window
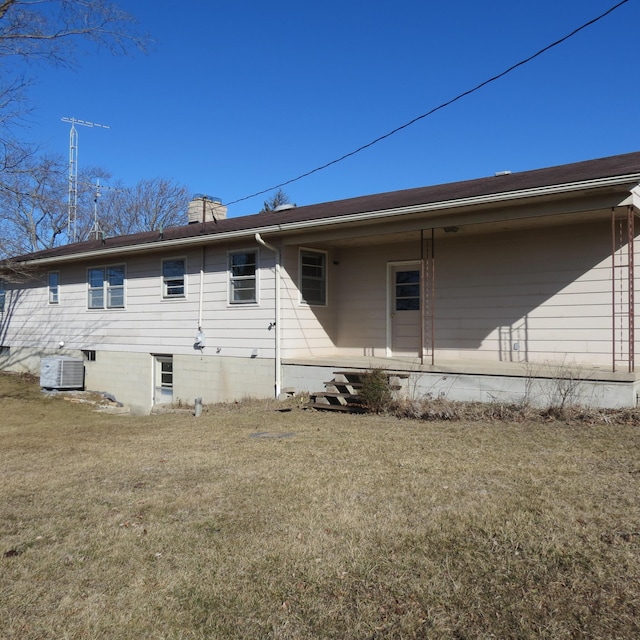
163	380
407	290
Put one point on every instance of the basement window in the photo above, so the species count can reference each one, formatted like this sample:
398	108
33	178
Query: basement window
89	355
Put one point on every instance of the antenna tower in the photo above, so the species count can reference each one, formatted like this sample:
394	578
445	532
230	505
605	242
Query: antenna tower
72	224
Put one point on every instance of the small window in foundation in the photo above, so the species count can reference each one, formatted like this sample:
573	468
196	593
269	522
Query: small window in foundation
89	355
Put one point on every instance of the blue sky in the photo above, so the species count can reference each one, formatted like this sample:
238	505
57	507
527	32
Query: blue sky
235	97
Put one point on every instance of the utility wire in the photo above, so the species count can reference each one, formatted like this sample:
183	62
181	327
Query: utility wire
435	109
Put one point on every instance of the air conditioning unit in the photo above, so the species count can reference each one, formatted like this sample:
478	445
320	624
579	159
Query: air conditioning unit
61	372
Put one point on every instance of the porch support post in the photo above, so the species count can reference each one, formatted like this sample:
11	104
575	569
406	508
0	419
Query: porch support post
613	289
432	297
423	304
632	286
428	295
623	269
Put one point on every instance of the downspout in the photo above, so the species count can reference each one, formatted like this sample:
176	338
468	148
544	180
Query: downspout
278	357
201	298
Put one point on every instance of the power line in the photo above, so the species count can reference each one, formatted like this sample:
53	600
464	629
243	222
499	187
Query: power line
464	94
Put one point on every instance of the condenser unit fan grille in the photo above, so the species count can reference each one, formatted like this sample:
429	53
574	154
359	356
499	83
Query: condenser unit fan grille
61	372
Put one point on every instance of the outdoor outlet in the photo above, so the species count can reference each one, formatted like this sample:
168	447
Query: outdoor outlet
516	346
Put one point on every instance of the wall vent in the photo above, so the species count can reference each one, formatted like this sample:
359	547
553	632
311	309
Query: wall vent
61	372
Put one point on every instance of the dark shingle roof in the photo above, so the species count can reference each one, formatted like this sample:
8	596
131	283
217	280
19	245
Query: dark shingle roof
613	166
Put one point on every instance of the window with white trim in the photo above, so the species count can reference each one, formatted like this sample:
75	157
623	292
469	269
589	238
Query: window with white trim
3	294
313	277
54	287
242	277
106	287
173	278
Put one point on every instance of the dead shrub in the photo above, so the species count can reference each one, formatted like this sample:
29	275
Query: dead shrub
449	410
375	393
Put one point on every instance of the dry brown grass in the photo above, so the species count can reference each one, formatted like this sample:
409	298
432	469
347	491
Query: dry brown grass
171	527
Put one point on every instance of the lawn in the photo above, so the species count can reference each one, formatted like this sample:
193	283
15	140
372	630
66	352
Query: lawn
254	522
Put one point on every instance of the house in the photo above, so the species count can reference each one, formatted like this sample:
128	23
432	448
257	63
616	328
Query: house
510	287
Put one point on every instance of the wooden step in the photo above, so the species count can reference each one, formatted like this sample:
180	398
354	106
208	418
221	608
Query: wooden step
342	395
397	374
355	386
343	383
346	408
341	398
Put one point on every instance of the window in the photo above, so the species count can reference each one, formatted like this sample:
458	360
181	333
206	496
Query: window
407	292
173	278
54	285
89	355
242	277
106	287
313	277
3	295
163	374
5	350
166	372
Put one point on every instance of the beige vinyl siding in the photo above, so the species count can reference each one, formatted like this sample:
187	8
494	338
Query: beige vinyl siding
307	330
149	323
546	291
549	291
29	321
362	330
241	329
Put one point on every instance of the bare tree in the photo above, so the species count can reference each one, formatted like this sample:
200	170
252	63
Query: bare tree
32	212
49	32
150	204
34	205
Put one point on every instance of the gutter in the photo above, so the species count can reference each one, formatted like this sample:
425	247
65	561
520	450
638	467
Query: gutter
278	314
347	218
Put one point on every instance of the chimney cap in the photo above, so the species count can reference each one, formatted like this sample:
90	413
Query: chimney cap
204	196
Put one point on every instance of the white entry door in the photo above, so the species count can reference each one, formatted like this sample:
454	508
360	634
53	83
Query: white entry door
163	380
405	309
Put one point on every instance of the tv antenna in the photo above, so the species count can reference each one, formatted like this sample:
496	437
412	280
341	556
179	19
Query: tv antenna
72	219
96	230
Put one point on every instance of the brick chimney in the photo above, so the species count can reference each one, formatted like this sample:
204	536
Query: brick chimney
205	209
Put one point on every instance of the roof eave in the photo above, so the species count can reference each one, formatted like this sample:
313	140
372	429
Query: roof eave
362	217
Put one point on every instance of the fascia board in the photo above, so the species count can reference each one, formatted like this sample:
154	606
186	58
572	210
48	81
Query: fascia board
366	216
633	198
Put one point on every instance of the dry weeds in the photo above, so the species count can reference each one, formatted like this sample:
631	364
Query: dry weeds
251	522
